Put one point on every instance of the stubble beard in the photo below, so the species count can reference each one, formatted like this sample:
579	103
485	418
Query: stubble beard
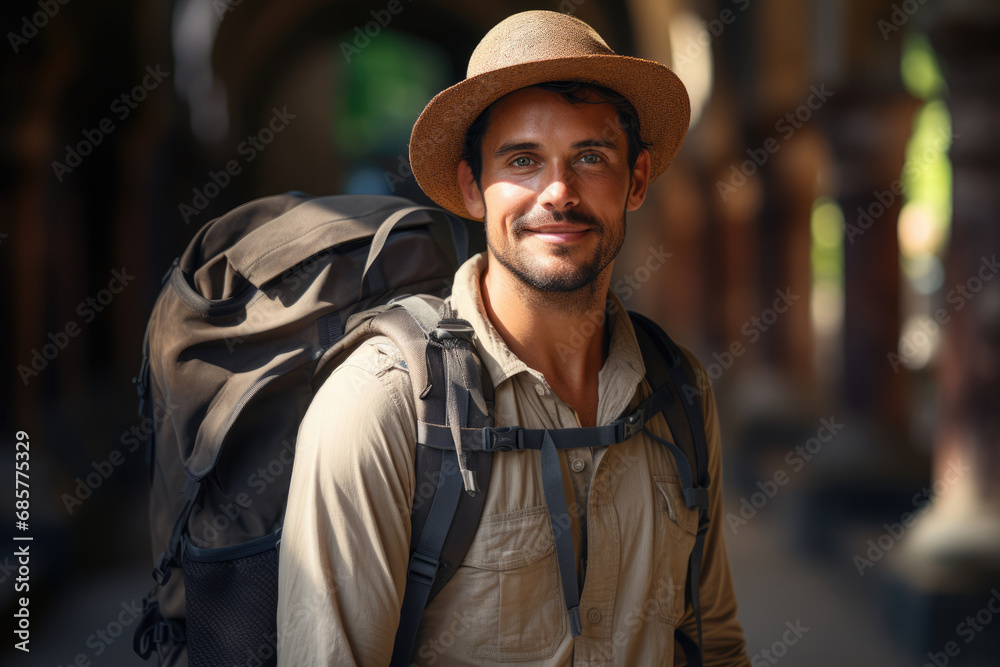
573	291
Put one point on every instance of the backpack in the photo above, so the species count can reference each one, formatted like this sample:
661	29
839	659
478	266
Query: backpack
254	315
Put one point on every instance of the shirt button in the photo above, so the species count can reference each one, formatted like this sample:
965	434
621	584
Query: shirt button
594	616
577	465
540	390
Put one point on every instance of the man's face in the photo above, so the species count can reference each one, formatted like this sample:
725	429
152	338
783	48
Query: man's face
555	188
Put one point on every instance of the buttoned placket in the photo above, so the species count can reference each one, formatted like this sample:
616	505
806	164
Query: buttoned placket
598	597
592	506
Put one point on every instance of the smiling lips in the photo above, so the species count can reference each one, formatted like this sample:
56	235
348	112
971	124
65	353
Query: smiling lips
559	233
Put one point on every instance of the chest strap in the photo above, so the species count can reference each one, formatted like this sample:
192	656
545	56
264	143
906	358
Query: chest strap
511	438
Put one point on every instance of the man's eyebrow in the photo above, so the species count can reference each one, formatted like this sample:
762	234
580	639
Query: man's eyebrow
513	147
601	143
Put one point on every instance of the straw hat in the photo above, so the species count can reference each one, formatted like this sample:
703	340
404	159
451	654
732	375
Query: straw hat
530	48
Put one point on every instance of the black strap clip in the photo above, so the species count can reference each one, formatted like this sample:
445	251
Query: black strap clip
167	631
422	569
630	425
503	439
697	497
161	572
449	328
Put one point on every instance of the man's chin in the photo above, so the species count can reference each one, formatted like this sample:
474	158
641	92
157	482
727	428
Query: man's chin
552	267
558	275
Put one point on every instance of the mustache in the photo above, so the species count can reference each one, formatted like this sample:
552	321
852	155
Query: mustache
538	219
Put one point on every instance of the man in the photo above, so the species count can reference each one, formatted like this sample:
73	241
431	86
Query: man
552	169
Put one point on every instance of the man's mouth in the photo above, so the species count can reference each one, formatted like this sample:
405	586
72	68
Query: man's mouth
559	232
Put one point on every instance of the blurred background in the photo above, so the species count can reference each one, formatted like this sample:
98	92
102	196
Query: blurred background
832	224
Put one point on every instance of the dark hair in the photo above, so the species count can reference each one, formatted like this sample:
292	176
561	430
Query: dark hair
575	92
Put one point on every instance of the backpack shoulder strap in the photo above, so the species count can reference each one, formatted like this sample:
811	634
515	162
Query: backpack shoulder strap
666	362
453	391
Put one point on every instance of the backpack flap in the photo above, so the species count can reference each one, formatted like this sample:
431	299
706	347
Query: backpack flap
229	404
312	227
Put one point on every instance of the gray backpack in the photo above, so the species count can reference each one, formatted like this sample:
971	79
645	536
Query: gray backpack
252	318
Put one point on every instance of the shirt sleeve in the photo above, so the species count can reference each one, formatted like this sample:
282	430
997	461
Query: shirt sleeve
722	635
345	542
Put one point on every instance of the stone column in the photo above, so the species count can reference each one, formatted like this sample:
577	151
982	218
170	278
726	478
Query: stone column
950	559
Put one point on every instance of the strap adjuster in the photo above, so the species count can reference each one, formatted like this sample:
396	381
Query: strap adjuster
422	569
696	497
503	439
161	571
167	630
630	425
453	328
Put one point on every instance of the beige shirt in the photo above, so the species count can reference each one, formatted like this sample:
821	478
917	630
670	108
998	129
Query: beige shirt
345	544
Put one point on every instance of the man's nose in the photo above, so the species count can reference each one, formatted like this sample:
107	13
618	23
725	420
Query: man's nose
559	191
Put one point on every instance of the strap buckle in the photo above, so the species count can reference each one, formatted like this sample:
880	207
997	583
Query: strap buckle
503	439
630	425
161	571
449	328
697	497
167	631
422	569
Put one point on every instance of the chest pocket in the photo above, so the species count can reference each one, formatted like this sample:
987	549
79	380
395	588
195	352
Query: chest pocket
512	567
676	527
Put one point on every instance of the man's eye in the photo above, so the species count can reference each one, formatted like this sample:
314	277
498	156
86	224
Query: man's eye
521	161
591	158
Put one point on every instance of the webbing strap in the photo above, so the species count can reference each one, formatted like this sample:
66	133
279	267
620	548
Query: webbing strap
457	399
701	465
168	558
422	312
695	658
427	558
153	630
510	438
555	499
694	497
692	651
459	233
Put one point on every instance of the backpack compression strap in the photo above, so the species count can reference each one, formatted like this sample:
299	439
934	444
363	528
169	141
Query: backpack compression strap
459	234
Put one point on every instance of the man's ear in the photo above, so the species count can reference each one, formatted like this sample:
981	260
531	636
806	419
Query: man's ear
474	203
640	179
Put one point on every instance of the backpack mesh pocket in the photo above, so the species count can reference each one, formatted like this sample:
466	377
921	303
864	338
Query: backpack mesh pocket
231	596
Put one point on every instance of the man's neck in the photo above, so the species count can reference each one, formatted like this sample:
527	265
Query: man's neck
561	335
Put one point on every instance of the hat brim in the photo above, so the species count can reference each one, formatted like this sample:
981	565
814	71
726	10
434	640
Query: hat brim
438	138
